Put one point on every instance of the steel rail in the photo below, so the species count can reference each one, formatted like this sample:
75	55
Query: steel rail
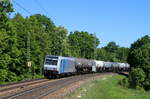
44	90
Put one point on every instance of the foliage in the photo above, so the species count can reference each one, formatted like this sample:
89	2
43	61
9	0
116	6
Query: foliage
136	77
112	52
7	76
139	52
5	8
83	44
139	59
111	47
122	54
124	82
102	54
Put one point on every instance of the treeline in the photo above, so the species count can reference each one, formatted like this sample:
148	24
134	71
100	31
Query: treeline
139	59
112	52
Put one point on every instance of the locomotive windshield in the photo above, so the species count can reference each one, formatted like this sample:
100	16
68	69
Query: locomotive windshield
51	62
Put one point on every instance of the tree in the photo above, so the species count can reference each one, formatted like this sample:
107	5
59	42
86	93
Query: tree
83	44
139	57
111	47
122	54
114	53
5	8
8	43
137	76
139	52
102	54
45	39
58	39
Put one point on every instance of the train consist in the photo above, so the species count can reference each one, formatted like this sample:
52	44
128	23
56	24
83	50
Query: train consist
59	65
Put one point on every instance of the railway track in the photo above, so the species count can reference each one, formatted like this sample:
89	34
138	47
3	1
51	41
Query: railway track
12	88
5	87
43	90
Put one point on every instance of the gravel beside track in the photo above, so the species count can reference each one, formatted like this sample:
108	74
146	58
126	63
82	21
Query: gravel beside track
42	91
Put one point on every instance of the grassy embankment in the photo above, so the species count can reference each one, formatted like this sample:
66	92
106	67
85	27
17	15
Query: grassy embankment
108	88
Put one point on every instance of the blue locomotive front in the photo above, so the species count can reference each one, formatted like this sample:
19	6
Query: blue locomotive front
51	65
57	65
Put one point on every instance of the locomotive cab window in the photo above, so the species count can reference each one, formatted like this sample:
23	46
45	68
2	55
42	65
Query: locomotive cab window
51	62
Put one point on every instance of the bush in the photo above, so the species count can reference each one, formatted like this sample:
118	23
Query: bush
147	83
138	58
7	76
11	77
124	82
3	75
136	77
20	77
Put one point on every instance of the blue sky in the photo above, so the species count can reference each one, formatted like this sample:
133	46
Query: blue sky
122	21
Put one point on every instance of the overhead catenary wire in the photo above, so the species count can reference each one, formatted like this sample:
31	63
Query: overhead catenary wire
29	34
41	6
28	40
27	11
21	7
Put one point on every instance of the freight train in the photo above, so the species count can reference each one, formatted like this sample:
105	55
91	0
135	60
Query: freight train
56	66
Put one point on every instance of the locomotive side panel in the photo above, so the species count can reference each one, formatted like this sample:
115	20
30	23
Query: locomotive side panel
67	65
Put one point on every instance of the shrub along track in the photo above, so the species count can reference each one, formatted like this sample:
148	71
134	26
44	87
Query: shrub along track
44	90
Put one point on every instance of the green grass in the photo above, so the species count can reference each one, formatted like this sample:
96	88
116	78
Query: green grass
108	88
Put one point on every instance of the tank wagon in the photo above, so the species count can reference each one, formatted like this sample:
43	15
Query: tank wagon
99	65
108	66
84	65
59	65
